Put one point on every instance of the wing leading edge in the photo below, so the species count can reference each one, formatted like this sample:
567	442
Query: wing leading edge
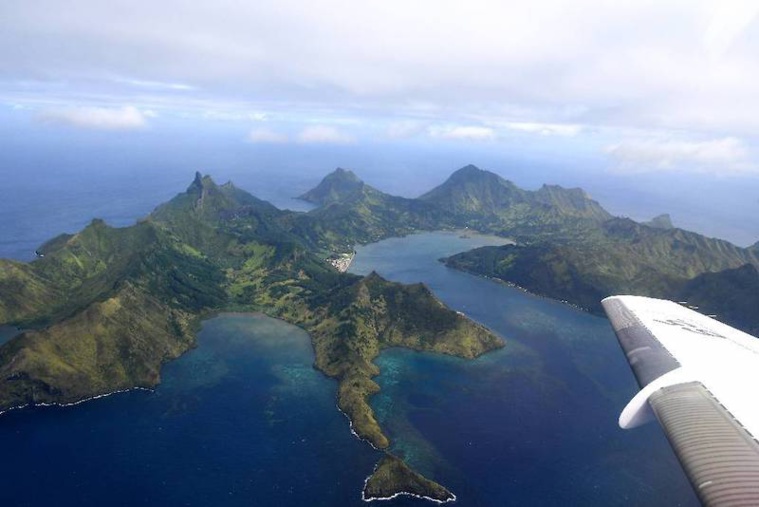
700	379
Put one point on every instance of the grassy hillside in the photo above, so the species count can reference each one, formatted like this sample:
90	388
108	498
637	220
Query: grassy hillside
624	257
353	212
108	306
354	322
114	344
732	295
486	202
392	475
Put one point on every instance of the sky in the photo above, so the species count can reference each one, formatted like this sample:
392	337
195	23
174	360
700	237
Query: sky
631	88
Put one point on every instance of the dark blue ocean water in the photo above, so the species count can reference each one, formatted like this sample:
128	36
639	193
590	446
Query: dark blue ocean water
531	424
244	419
58	180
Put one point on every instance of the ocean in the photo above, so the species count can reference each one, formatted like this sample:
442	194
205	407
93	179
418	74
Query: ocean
244	419
54	182
531	424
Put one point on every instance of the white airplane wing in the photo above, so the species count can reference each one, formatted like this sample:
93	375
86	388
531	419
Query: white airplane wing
700	379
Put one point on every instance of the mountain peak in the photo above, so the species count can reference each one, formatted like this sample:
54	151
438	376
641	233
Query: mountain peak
343	174
663	221
336	186
571	202
473	174
473	190
469	171
201	184
204	197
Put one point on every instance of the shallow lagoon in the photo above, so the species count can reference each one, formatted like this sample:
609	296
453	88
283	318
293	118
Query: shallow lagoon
531	424
244	419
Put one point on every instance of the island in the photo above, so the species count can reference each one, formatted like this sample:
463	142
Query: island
102	310
392	477
625	257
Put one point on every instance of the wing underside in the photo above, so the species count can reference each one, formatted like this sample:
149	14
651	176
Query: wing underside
698	377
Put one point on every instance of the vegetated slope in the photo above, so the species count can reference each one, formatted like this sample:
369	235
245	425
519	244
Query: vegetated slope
732	295
353	212
219	220
663	221
350	211
392	475
115	305
484	201
474	193
568	248
108	306
335	187
354	322
621	257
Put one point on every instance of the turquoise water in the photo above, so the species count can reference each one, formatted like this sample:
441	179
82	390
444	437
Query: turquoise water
245	420
531	424
242	420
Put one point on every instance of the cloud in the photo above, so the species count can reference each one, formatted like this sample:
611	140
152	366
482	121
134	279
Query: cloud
404	129
98	118
155	85
546	129
729	19
262	135
234	114
673	64
468	133
718	156
318	134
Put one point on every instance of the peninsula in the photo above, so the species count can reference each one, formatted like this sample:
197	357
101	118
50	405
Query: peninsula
103	309
106	307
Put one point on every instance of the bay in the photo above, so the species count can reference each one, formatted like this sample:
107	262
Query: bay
244	419
532	424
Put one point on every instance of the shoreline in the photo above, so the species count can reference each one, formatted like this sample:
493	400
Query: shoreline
519	288
341	262
365	499
78	402
353	432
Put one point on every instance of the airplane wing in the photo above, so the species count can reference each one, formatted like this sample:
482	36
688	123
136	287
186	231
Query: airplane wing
700	379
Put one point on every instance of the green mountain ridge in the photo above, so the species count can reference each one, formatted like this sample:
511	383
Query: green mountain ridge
472	191
568	246
663	221
336	186
732	295
353	212
106	307
113	305
624	257
478	194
